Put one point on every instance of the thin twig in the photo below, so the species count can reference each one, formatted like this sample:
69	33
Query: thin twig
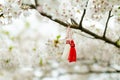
80	24
106	25
36	3
83	15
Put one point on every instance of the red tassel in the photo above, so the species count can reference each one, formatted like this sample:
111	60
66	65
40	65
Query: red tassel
72	53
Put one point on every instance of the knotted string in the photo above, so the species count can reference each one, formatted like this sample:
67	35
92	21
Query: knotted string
69	33
69	40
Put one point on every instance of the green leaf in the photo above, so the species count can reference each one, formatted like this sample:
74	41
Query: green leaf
10	48
118	42
1	74
6	32
7	61
41	62
34	49
12	38
27	24
119	7
58	37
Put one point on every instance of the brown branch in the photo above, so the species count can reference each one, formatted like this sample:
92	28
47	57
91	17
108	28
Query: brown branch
47	74
77	27
82	29
59	21
99	37
80	24
83	15
106	25
90	72
36	3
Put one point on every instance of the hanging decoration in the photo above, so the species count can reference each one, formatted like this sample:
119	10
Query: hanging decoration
69	52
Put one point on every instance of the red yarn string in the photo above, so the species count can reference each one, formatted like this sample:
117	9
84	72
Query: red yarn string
69	40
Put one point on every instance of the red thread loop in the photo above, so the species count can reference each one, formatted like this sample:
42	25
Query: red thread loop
72	50
69	33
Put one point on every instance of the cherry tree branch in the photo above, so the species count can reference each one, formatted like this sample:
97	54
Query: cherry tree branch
91	72
106	25
83	15
80	24
82	29
36	3
78	27
46	73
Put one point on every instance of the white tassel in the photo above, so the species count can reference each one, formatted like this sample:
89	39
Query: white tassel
66	52
67	45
